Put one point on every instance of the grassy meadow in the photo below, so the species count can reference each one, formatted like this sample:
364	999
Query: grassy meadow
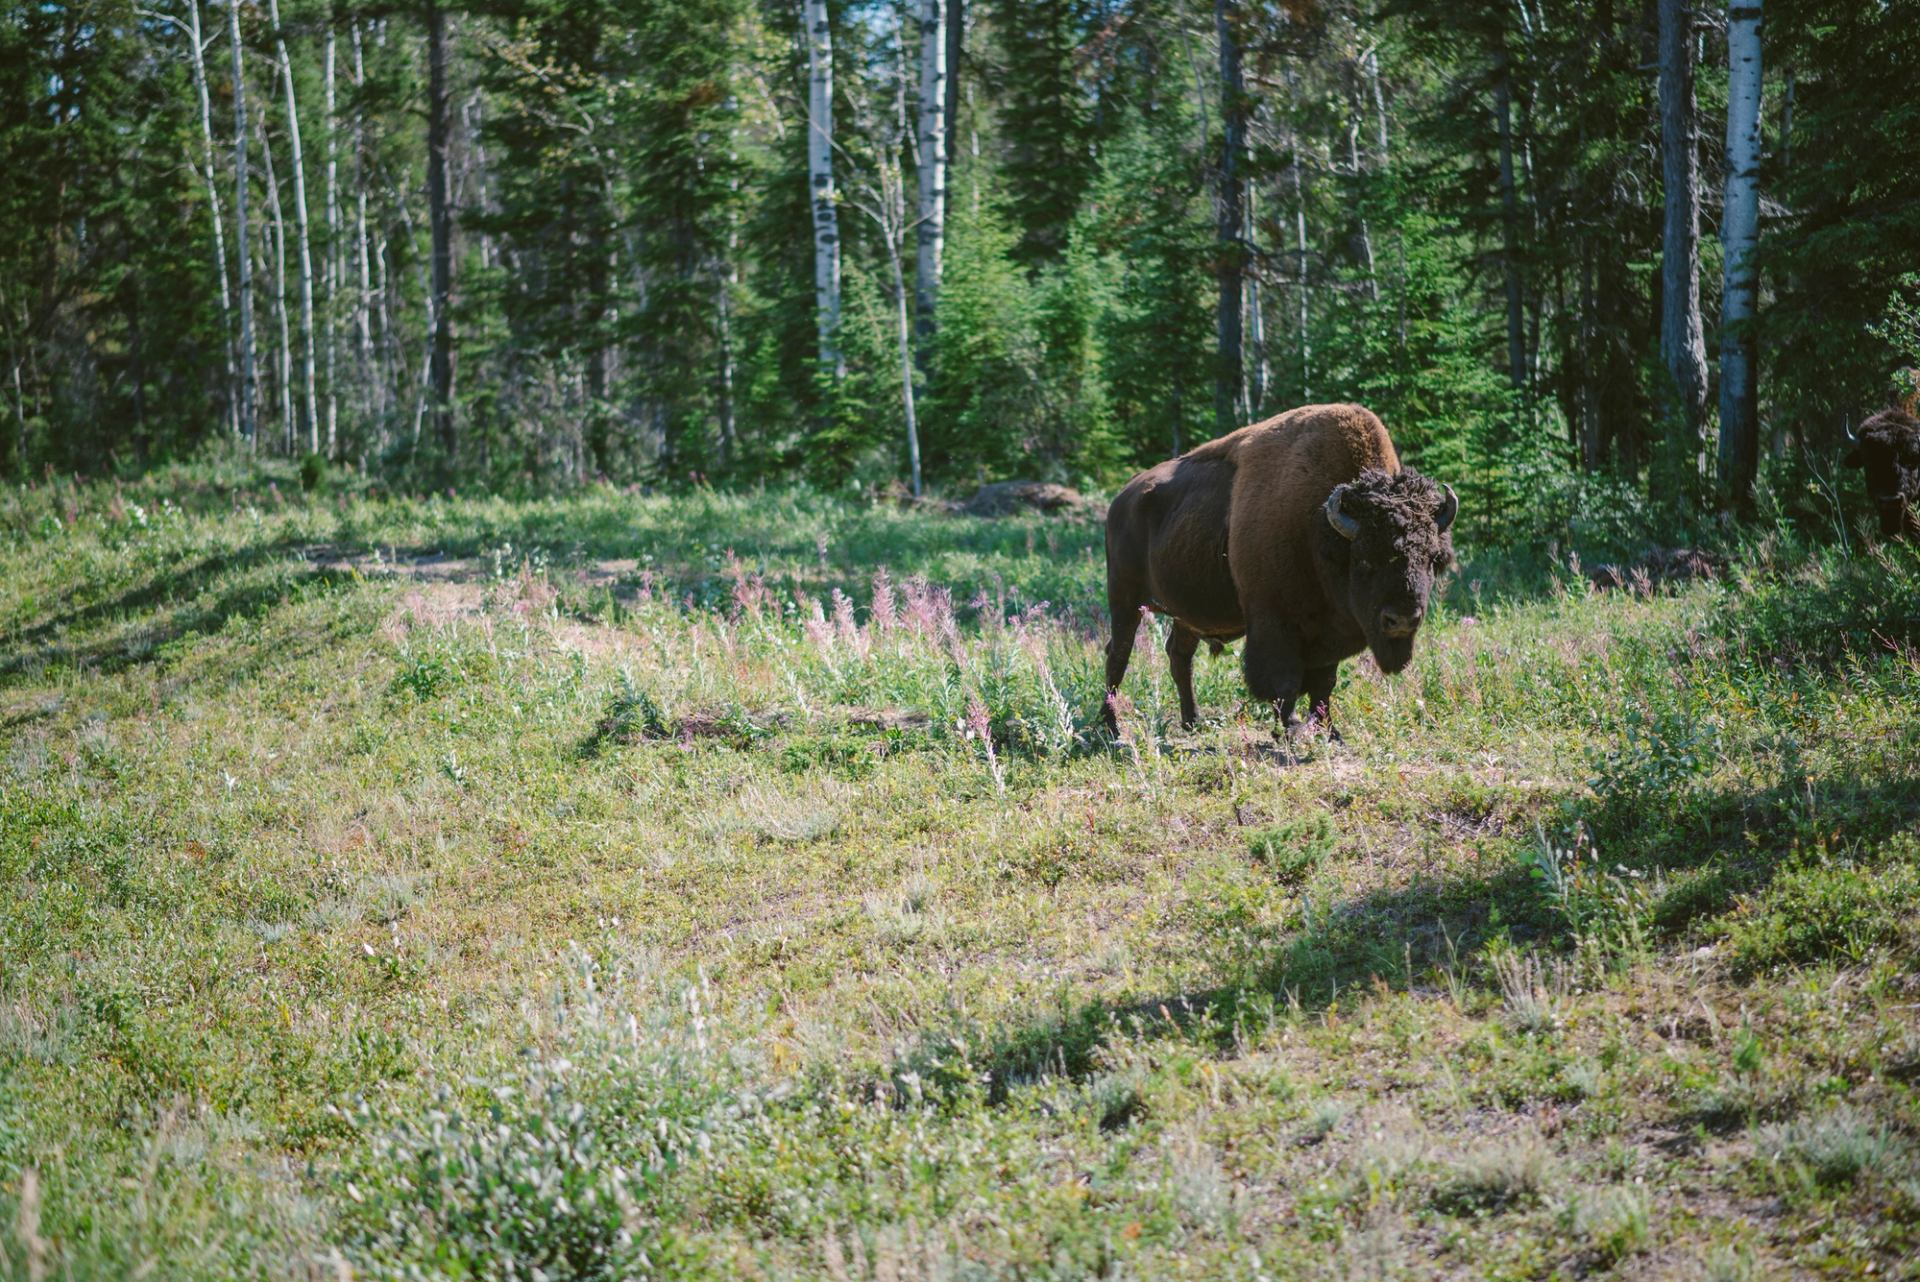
740	887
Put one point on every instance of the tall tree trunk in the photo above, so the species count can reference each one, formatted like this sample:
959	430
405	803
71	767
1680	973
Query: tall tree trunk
422	381
472	121
309	384
1509	221
372	401
1378	93
592	315
16	467
278	228
213	207
906	364
1739	230
1306	297
1683	344
724	306
826	215
1589	416
1366	232
249	366
1256	329
1301	288
929	238
956	16
333	260
1371	66
388	357
1782	437
440	219
1229	250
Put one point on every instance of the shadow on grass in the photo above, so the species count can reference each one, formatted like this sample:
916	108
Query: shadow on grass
1740	839
167	583
795	538
208	598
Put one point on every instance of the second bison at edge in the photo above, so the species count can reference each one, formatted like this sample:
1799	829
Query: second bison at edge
1302	533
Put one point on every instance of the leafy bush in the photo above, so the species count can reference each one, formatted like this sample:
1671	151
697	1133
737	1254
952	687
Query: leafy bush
427	674
1658	754
632	714
1832	910
1292	850
555	1166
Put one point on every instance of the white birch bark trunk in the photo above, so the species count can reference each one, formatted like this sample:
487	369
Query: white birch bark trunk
1384	158
1261	373
1739	230
906	366
249	365
198	46
1306	298
1366	232
826	217
1300	245
1229	387
370	385
1683	344
277	231
440	225
931	234
308	379
333	259
1379	96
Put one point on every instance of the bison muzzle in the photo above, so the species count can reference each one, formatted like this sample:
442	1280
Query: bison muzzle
1302	534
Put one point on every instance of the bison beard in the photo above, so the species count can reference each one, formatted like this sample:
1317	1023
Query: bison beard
1302	534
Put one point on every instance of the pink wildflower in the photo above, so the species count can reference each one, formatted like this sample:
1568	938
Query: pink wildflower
884	614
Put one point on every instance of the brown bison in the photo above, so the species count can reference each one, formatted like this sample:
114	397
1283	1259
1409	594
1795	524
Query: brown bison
1303	534
1887	448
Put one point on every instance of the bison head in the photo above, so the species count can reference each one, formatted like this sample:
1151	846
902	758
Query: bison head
1390	541
1888	450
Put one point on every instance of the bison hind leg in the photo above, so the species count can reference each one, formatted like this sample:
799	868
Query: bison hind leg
1182	641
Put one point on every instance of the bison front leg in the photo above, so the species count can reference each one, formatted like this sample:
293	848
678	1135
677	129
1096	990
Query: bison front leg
1126	623
1271	661
1182	641
1320	682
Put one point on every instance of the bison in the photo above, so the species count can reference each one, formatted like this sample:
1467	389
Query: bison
1302	533
1887	448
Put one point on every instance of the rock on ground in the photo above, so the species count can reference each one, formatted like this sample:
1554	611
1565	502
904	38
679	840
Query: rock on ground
1004	498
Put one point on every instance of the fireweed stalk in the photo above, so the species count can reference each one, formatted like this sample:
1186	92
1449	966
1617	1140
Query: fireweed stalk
979	727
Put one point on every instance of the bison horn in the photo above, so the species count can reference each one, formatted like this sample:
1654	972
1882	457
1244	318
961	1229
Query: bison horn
1343	524
1449	508
1846	425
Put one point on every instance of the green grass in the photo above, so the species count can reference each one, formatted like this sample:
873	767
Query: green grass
627	886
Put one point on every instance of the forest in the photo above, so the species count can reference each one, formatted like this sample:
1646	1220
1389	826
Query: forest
1623	261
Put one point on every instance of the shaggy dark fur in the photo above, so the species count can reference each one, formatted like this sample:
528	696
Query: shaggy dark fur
1234	539
1400	507
1887	448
